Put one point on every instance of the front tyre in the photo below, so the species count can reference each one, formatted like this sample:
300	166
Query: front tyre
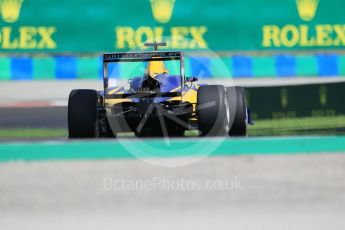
82	114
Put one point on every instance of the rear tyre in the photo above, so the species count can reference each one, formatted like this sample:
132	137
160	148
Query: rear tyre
211	111
238	111
82	114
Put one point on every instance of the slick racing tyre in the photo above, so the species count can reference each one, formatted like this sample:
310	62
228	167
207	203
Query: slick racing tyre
82	114
212	111
238	111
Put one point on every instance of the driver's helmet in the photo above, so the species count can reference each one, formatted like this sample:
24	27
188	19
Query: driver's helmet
155	68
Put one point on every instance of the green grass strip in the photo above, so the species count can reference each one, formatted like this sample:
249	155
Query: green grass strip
298	126
158	148
32	133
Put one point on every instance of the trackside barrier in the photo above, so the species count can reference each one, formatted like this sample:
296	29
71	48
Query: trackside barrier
62	67
297	101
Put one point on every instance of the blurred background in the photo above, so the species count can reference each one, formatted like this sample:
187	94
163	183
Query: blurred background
288	54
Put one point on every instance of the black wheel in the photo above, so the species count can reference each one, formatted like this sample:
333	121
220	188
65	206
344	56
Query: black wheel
82	114
238	111
211	111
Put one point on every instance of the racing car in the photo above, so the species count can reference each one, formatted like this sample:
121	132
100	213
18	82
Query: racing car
158	102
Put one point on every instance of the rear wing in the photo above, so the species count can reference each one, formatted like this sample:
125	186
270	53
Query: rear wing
141	57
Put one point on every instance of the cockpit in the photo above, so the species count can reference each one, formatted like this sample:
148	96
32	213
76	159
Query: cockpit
154	70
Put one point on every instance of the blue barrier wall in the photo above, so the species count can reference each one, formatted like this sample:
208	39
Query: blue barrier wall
240	66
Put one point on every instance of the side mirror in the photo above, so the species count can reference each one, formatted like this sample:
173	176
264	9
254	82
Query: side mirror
192	79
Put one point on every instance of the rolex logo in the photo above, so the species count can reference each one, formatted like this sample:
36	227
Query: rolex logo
162	10
307	9
10	10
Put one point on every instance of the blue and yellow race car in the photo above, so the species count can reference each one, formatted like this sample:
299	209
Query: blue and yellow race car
159	102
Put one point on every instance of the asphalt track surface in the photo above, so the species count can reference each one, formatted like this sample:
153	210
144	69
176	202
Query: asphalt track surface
33	117
269	192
